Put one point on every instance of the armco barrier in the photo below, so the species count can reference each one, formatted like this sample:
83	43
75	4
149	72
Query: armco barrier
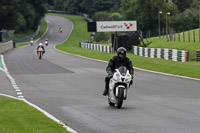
97	47
198	55
6	46
168	54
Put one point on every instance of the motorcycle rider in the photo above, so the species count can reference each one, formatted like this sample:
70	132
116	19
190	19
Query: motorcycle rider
40	46
116	62
31	41
46	41
61	29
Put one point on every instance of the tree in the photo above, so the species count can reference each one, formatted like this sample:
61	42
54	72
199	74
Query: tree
146	12
187	20
92	6
28	13
21	14
182	4
102	16
8	15
74	6
88	6
116	16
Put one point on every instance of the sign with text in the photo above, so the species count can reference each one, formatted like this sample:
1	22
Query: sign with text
114	26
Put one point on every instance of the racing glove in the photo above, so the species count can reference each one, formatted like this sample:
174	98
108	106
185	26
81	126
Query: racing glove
110	73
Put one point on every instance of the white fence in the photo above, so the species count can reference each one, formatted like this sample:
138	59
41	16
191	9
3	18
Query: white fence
168	54
97	47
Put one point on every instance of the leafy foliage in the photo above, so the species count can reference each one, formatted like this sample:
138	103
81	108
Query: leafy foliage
26	14
20	15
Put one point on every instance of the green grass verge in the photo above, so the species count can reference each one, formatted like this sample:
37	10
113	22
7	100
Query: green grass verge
19	45
79	33
43	27
189	46
18	117
24	33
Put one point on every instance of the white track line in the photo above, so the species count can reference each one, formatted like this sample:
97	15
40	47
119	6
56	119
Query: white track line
2	64
185	77
41	110
21	97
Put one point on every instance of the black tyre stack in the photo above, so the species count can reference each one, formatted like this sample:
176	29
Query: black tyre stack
198	55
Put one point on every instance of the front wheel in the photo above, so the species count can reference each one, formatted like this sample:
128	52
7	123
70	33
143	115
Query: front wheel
120	97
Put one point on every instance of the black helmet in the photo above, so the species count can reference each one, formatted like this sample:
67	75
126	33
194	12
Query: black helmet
121	50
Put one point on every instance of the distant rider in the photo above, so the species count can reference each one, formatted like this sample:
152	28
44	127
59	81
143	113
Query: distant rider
61	29
31	41
116	62
40	46
46	42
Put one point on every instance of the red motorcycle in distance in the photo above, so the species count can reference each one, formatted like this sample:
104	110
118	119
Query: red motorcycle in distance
46	43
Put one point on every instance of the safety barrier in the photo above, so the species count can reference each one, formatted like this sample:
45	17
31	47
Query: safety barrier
198	55
97	47
168	54
6	46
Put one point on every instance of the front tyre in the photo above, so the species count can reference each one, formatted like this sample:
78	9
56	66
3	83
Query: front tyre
120	97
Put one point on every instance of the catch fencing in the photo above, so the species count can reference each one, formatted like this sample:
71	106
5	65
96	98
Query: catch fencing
27	38
168	54
6	35
97	47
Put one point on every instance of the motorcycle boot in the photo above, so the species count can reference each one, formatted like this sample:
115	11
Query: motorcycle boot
107	80
105	92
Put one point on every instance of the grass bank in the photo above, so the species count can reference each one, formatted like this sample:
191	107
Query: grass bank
20	45
24	33
43	27
190	46
18	117
79	33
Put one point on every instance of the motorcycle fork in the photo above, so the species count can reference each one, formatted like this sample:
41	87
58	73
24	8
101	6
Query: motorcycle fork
116	91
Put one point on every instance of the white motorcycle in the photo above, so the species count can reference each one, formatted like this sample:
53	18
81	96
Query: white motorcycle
31	42
118	86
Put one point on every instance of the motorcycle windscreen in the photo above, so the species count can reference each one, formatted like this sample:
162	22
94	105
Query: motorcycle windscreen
122	70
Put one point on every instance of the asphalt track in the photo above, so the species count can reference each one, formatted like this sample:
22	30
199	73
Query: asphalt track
70	88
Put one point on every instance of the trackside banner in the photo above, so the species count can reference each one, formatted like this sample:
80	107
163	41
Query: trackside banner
114	26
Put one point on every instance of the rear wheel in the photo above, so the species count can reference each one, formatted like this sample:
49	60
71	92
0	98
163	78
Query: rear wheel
40	56
120	97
